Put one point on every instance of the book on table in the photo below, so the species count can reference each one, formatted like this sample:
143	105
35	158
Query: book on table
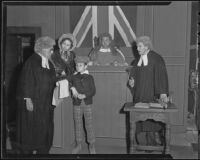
150	105
141	105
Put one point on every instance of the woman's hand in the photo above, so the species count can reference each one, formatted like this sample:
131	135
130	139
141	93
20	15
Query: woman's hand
29	104
74	92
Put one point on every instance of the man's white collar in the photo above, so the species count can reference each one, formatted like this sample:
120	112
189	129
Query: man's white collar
144	59
45	62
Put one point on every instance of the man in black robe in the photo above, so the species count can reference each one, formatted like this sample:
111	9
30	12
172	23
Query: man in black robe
148	81
148	77
35	111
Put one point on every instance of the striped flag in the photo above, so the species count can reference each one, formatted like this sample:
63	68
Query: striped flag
90	21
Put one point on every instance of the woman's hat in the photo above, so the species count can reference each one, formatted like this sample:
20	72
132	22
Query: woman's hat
67	36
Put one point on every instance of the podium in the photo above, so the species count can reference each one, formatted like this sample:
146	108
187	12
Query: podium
142	114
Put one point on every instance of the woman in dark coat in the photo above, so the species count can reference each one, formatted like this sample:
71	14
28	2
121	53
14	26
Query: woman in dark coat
63	59
35	111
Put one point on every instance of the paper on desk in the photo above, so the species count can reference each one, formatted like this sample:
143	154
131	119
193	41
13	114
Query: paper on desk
141	105
158	105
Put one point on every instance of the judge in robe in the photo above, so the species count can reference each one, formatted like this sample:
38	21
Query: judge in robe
148	77
106	53
35	124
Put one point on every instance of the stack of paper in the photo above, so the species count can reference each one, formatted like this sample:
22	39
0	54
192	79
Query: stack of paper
141	105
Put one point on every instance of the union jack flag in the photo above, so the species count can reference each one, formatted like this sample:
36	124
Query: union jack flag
89	22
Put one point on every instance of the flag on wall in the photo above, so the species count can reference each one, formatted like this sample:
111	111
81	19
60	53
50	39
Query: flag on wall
86	22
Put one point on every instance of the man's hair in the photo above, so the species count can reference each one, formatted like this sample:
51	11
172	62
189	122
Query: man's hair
146	41
43	43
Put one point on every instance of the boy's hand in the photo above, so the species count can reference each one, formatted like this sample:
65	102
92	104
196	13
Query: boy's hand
74	92
81	96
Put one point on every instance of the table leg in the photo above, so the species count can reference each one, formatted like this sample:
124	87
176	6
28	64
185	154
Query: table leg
132	137
167	138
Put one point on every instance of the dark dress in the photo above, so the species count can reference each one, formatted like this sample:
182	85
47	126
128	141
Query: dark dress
150	80
35	128
67	64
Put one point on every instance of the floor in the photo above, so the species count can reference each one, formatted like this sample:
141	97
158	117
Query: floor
183	145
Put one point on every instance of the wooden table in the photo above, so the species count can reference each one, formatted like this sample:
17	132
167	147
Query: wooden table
142	114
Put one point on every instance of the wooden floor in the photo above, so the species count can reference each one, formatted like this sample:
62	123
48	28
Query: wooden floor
182	146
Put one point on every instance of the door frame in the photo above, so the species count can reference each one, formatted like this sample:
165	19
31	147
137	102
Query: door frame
24	30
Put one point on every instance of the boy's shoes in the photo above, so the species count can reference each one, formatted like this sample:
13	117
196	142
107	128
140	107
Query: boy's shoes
77	149
92	149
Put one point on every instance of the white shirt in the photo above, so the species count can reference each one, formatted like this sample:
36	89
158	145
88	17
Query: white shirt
144	59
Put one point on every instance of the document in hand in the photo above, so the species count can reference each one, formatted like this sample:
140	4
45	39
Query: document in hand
63	88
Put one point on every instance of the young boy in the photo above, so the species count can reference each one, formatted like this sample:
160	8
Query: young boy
83	90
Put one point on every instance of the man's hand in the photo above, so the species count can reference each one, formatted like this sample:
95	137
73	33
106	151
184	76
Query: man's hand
131	82
29	104
164	98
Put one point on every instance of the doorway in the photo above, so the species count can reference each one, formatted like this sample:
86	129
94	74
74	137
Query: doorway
19	46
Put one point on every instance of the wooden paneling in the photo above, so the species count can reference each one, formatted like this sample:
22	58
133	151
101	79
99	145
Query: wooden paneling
176	83
43	16
108	104
170	33
170	38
